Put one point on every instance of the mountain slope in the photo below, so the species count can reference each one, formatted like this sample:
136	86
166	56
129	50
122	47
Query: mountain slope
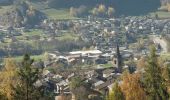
126	7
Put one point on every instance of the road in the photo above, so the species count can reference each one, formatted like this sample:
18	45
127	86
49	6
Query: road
162	42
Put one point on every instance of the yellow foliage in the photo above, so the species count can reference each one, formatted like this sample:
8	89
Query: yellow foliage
8	78
168	7
101	8
131	87
141	63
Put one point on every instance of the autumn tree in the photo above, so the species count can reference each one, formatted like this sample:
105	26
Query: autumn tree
141	63
73	12
46	56
132	88
102	10
140	44
8	77
116	93
95	12
111	11
153	80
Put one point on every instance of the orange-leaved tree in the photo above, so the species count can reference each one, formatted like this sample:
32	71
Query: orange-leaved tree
132	88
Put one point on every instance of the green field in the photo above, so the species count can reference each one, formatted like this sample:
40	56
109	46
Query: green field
161	14
165	56
33	32
4	9
52	13
35	57
64	36
108	65
68	36
58	14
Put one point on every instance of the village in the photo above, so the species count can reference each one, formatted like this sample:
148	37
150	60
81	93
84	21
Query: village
91	64
101	34
98	50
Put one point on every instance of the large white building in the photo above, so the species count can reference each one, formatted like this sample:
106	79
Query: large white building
87	52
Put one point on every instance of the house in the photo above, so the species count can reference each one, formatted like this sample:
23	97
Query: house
108	72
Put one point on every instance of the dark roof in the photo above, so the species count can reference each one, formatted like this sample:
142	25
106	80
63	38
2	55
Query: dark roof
105	85
108	71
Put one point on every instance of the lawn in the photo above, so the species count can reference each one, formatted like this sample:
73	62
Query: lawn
33	32
35	57
165	56
161	14
52	13
4	9
107	65
68	36
58	14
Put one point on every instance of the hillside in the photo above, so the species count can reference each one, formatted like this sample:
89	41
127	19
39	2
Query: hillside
60	9
126	7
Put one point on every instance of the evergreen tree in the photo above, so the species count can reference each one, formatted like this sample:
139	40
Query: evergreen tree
116	93
25	89
166	75
153	80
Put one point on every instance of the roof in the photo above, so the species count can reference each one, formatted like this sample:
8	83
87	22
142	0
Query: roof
86	52
108	71
98	83
46	72
104	85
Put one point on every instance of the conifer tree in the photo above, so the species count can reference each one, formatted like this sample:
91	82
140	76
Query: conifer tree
153	80
25	89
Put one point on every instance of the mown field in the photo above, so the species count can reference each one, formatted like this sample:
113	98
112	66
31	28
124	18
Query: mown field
165	56
58	14
35	57
161	14
4	9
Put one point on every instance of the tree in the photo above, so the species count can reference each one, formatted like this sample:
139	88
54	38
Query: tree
102	10
46	56
95	12
141	63
153	80
140	44
79	88
111	11
132	88
166	76
25	89
73	12
116	93
8	77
